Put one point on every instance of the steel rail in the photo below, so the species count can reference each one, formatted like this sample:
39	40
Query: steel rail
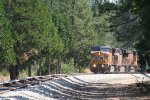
28	81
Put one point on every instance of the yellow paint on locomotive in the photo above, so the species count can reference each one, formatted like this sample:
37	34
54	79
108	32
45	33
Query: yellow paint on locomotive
100	59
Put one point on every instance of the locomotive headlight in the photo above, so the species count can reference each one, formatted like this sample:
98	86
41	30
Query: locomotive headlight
99	53
94	65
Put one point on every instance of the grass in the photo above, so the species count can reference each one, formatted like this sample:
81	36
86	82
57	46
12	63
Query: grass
4	72
68	68
4	75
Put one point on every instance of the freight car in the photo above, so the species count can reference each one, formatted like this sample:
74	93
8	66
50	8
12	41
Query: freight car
103	57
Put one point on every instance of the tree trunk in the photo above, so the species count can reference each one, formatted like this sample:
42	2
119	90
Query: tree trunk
17	71
29	71
39	70
79	69
56	69
49	68
14	72
59	64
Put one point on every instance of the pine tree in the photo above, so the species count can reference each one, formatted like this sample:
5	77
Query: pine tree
143	44
7	54
84	35
32	30
103	15
73	19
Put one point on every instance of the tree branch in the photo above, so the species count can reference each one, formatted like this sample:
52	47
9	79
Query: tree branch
129	21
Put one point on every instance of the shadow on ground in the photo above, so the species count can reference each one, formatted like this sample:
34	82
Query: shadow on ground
77	89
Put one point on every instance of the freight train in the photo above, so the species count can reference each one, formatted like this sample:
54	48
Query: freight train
104	57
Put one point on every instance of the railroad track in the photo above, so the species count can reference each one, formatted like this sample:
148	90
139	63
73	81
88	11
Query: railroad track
29	81
79	87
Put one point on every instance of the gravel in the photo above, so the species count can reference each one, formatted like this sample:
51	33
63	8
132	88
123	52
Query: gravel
84	87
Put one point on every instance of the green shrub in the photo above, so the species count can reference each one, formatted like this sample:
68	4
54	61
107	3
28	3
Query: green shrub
68	67
4	72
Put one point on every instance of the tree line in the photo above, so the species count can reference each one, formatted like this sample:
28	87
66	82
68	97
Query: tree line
49	32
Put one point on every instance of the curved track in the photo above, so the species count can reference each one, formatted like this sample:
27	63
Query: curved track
86	87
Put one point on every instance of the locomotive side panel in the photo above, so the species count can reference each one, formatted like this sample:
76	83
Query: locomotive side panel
117	59
129	60
135	59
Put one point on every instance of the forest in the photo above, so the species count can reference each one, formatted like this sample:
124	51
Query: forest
43	37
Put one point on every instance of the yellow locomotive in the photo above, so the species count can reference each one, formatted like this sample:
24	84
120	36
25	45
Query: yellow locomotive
103	57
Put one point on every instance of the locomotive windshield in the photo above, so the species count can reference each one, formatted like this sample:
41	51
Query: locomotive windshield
105	49
100	48
95	48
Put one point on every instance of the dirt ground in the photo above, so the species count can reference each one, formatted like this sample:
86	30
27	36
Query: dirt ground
87	70
4	78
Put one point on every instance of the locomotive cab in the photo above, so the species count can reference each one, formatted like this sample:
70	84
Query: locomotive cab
100	59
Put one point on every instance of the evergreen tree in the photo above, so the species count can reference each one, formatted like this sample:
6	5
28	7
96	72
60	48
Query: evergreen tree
32	31
103	14
73	20
7	55
143	44
84	36
127	23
